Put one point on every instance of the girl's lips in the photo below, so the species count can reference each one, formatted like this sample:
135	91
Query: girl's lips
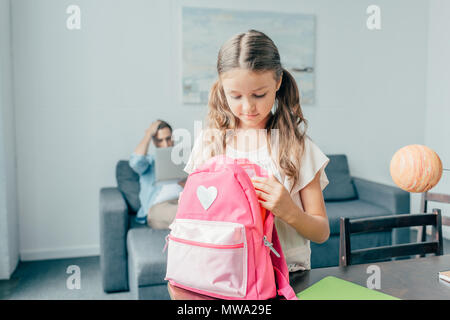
250	115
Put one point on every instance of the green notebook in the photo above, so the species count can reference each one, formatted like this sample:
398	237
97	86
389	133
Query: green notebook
332	288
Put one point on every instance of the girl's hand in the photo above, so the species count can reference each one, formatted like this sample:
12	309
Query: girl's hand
273	196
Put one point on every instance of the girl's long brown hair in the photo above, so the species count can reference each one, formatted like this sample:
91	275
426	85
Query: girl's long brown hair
255	51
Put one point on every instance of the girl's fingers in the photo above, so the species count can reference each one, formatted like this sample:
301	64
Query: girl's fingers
270	181
259	179
265	205
262	186
262	195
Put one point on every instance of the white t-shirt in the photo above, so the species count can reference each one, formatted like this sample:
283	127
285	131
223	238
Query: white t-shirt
295	247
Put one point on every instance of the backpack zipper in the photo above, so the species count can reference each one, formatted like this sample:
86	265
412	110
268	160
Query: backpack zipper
270	245
202	244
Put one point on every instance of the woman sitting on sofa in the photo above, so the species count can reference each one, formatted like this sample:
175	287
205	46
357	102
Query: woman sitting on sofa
158	202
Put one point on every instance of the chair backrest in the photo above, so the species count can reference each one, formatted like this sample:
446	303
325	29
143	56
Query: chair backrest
347	256
435	197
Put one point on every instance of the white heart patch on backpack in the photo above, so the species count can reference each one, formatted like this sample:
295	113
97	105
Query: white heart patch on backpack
206	196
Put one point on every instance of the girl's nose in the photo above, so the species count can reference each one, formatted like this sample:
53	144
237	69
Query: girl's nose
247	106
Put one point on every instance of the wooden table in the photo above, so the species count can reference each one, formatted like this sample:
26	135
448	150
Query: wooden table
409	279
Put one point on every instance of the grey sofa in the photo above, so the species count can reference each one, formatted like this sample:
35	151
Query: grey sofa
131	256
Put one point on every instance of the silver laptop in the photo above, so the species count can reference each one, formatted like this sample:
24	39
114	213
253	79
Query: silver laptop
165	168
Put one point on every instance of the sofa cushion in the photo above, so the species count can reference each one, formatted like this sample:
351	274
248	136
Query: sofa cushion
128	184
341	185
145	255
353	209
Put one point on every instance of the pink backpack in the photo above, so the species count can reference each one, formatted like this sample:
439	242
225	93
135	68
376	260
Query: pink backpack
218	245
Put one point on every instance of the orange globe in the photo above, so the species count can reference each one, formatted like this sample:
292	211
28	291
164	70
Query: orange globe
416	168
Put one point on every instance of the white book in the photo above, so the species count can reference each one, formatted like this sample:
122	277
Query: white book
445	275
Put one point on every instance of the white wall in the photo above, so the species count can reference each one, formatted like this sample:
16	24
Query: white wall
83	101
84	98
437	129
9	228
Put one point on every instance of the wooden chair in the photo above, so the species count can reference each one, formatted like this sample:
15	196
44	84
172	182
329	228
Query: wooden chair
385	223
436	197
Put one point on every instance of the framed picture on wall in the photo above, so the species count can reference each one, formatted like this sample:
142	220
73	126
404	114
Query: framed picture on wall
204	30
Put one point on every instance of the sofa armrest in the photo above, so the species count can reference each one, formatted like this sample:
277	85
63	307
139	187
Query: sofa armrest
393	199
113	247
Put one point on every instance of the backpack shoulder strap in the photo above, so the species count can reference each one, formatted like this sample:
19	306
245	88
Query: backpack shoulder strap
281	269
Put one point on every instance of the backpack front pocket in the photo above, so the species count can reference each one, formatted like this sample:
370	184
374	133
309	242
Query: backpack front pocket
210	256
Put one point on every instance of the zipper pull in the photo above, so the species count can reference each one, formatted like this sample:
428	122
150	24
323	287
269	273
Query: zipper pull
270	245
167	242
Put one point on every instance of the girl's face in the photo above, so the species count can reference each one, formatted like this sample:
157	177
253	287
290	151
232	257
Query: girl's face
250	96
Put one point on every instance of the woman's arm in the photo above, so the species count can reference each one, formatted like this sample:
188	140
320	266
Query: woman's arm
312	222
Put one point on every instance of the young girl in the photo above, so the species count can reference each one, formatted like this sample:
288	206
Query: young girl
251	83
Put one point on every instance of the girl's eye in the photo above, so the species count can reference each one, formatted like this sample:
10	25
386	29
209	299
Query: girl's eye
256	96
